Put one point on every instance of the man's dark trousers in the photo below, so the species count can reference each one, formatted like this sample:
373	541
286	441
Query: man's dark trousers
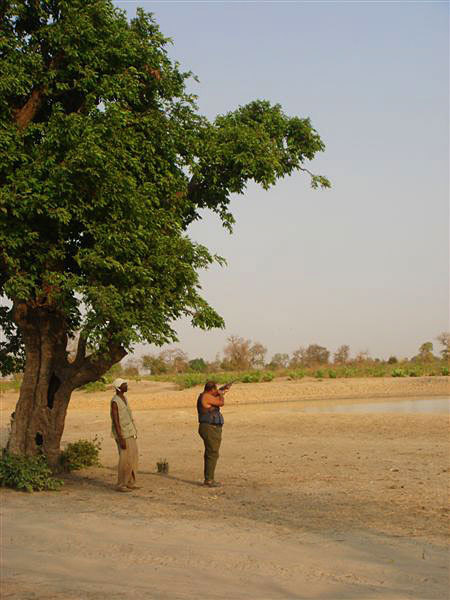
212	437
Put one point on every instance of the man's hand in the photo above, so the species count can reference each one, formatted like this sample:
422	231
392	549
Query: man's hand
123	443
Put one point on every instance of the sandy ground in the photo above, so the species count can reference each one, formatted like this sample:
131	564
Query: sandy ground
329	506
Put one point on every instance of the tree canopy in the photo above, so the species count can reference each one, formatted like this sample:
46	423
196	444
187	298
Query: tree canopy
105	161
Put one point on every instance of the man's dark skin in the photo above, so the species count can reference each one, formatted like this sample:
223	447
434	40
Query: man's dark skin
115	415
213	398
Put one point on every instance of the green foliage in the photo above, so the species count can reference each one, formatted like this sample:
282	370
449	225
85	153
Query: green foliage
267	376
29	473
296	374
319	374
332	374
94	386
81	454
444	371
392	360
105	163
399	373
198	365
251	377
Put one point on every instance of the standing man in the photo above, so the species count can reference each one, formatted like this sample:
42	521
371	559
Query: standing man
123	430
210	427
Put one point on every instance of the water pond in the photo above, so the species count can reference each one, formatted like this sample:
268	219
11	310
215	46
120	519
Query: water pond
433	405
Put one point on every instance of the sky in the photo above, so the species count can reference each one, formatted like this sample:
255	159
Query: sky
367	262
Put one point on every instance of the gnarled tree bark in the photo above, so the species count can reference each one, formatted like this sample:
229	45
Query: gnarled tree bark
49	380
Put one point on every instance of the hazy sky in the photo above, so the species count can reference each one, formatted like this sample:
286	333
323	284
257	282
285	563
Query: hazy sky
366	263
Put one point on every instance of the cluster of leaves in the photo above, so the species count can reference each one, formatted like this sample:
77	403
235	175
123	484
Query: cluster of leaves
105	163
81	454
29	473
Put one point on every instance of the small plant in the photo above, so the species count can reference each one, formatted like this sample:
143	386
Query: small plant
332	374
268	376
81	454
398	373
444	371
29	473
319	374
163	466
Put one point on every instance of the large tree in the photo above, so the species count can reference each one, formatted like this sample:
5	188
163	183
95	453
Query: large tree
104	163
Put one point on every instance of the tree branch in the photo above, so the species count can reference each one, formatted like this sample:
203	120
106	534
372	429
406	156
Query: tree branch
23	116
81	350
92	367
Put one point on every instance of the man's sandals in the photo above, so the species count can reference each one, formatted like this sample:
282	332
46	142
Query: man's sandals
212	484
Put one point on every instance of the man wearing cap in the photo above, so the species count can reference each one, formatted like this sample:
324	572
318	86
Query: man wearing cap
123	430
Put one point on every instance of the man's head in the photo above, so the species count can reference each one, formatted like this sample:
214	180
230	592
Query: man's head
211	387
120	385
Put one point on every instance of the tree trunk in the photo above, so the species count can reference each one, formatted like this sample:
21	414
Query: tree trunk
48	381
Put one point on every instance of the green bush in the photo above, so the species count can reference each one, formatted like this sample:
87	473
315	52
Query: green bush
398	373
251	377
94	386
319	374
267	376
81	454
444	371
298	374
332	374
29	473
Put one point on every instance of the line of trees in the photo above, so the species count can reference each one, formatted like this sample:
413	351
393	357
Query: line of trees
241	354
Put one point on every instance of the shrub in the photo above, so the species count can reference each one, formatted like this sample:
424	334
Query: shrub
319	374
29	473
94	386
444	371
296	374
332	374
267	376
251	378
398	373
81	454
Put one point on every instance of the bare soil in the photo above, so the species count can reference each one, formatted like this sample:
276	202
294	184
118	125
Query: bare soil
336	506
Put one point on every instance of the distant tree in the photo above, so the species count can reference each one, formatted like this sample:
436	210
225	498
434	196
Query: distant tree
279	361
237	353
317	355
298	358
131	368
257	354
214	365
342	355
240	353
362	356
155	364
444	339
175	359
198	364
310	356
392	360
425	353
